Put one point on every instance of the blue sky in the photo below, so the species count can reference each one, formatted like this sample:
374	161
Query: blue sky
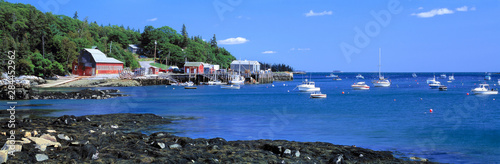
321	35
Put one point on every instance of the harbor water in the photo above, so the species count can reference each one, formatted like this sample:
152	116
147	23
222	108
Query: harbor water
461	128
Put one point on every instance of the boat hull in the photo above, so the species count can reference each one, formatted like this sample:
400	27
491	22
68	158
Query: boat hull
230	87
434	86
318	95
308	89
485	92
360	87
381	84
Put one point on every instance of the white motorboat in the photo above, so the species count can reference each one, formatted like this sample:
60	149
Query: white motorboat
381	82
332	75
435	85
487	77
230	86
189	83
498	81
337	79
237	80
318	95
215	83
359	76
308	86
414	75
431	80
484	89
360	86
443	76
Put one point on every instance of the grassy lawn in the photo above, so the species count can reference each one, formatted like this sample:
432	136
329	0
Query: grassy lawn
162	66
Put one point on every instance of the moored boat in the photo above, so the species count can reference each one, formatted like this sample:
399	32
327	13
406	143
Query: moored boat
435	85
443	76
230	86
484	89
359	76
308	86
443	88
414	75
318	95
360	86
381	82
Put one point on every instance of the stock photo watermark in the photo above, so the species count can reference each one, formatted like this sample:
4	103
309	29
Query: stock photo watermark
222	7
11	94
372	29
52	5
277	123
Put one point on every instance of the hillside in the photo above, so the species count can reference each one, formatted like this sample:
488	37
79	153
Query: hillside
47	44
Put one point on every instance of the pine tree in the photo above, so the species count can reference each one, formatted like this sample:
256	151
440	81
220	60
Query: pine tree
76	15
213	42
185	37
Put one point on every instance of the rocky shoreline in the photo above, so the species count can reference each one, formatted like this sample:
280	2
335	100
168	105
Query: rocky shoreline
83	94
119	138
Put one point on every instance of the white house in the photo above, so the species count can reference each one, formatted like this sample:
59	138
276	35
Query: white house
244	65
134	48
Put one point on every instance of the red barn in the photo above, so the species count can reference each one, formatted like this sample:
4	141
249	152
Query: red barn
194	67
93	62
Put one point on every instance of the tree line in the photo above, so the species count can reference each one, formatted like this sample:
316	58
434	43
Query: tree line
276	67
48	44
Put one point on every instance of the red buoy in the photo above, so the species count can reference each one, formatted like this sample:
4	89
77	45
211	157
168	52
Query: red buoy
342	92
430	110
467	94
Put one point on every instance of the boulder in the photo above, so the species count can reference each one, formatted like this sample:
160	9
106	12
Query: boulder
41	157
27	134
4	156
297	153
63	137
51	131
175	146
49	137
42	143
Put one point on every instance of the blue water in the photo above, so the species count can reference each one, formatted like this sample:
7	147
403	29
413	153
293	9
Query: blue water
462	128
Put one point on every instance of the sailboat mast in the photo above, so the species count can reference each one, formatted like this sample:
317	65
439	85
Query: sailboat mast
379	62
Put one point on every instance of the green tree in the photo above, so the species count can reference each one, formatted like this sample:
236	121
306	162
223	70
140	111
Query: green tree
76	15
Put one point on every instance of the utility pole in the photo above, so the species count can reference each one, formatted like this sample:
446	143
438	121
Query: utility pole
166	59
154	59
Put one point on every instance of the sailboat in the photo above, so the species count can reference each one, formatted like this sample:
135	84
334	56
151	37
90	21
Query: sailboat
237	79
451	78
381	82
414	75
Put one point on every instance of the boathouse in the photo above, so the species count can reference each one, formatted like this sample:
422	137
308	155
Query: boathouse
92	62
194	67
245	66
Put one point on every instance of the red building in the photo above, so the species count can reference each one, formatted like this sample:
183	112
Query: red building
194	67
93	62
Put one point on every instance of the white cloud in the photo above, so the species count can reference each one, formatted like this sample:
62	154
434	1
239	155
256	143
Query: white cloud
312	13
433	13
269	52
237	40
464	8
152	19
420	8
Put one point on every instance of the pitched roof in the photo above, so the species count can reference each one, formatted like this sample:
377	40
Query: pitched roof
246	62
133	46
193	64
100	57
